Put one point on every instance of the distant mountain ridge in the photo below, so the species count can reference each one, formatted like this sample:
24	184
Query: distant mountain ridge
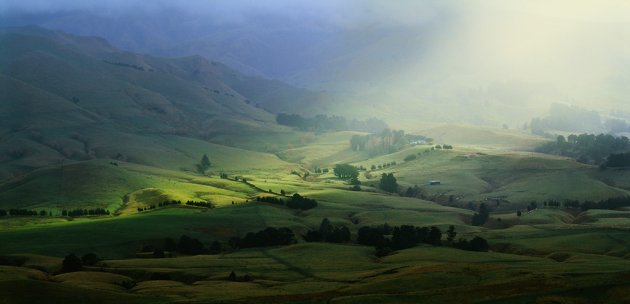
78	98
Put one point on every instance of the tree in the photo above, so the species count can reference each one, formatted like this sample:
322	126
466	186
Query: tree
232	276
560	141
382	251
413	191
386	139
90	259
170	245
203	165
371	237
159	253
215	247
451	234
435	236
325	228
358	142
188	245
299	202
346	171
355	181
405	236
71	263
480	218
478	244
388	183
313	236
410	157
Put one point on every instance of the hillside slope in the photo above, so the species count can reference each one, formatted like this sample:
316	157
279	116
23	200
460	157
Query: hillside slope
77	98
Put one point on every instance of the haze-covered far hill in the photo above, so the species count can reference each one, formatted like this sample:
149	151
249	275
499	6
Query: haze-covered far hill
488	63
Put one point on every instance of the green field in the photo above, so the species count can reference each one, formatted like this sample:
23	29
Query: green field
548	255
95	139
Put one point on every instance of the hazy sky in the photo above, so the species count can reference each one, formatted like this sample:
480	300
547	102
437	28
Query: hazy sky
347	13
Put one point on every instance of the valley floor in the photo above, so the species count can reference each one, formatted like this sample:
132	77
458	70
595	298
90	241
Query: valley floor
546	255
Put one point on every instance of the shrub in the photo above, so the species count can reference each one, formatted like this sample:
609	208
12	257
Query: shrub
71	263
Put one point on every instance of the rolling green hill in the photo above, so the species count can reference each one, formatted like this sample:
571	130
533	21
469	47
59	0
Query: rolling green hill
85	125
70	98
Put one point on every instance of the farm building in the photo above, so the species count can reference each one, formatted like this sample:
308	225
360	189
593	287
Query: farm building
434	182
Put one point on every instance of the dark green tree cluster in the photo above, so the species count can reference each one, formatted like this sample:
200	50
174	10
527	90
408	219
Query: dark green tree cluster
84	212
566	118
386	239
320	123
388	183
346	171
268	237
588	148
374	236
410	157
476	244
185	245
191	246
355	188
358	142
450	234
170	203
188	245
532	206
324	123
383	166
402	237
384	142
299	202
414	191
236	278
271	200
329	233
617	160
200	204
295	202
19	212
609	204
481	217
72	263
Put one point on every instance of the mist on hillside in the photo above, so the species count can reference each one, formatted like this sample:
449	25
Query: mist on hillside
483	62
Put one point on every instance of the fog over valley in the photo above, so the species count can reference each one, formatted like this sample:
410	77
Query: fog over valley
315	151
481	62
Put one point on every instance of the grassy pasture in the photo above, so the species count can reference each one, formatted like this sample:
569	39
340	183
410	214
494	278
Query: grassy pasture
350	274
576	256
